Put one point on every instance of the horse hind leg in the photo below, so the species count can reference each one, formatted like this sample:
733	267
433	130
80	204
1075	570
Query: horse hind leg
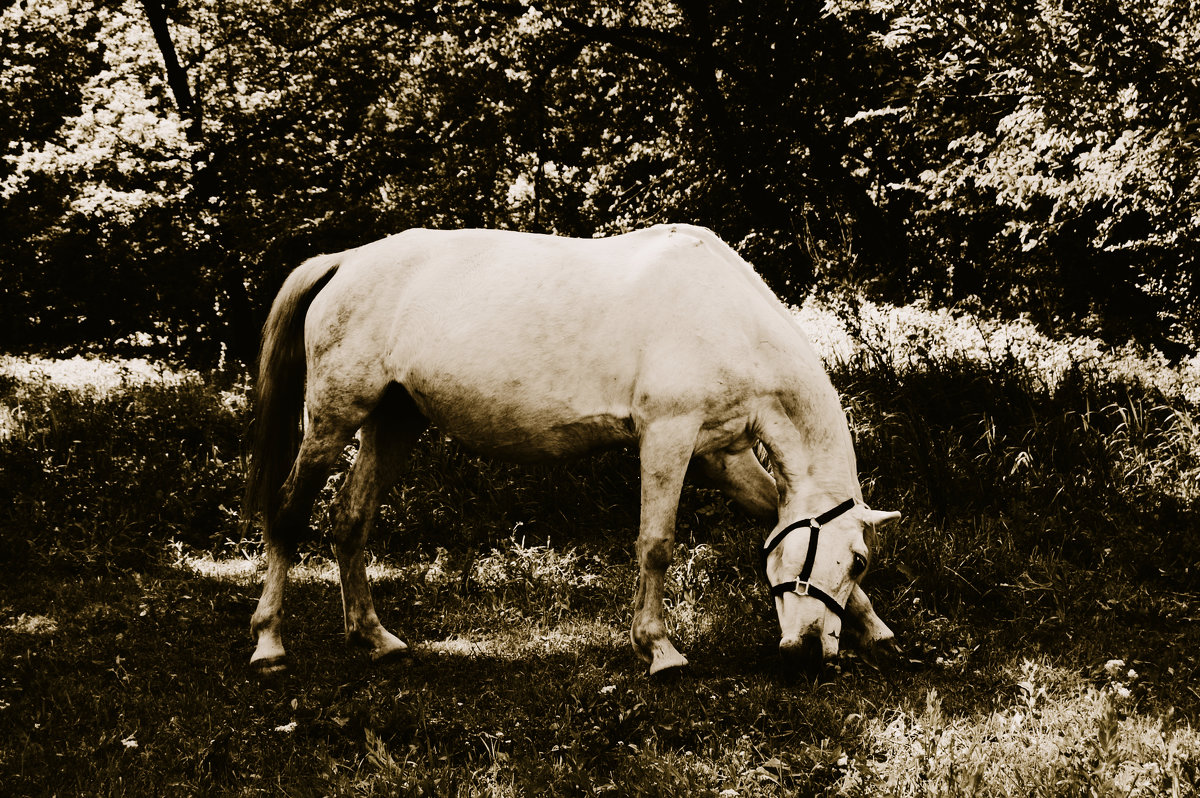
387	439
323	443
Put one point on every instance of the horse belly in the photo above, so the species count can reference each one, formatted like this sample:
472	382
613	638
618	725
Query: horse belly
513	422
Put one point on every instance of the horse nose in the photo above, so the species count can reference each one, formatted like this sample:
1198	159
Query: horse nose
805	654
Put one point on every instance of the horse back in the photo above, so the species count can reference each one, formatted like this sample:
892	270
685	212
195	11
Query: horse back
532	346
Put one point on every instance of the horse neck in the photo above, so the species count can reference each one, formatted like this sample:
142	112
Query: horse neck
819	469
828	483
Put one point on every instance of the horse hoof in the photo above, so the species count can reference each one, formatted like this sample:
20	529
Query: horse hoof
384	646
882	653
390	654
669	673
667	666
270	666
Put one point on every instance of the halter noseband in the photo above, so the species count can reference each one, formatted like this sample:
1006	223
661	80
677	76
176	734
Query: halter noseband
801	585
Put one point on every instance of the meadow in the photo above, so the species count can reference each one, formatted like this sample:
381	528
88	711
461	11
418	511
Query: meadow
1044	583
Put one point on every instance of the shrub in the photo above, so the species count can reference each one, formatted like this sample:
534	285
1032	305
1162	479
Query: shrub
104	475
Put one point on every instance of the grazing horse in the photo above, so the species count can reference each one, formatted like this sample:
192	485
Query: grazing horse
531	347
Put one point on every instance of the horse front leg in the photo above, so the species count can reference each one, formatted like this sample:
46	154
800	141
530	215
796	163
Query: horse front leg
665	450
863	630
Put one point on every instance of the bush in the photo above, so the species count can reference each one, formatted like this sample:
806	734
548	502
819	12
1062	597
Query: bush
105	476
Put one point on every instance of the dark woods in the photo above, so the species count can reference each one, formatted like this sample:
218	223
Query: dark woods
168	163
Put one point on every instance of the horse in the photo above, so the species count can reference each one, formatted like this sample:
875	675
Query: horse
532	347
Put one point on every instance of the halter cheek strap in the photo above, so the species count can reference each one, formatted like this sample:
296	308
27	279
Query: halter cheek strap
801	585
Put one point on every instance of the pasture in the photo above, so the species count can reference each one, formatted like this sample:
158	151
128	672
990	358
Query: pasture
1044	582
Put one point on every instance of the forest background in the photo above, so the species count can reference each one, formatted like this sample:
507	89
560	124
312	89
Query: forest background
166	163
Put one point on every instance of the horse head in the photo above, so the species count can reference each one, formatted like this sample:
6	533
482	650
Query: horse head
813	565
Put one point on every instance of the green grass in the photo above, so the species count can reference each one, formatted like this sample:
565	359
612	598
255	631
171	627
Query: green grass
1043	582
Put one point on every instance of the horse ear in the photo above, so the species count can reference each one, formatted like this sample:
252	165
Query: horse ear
878	518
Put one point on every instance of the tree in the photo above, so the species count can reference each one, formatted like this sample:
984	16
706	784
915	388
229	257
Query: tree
1050	157
90	180
1037	158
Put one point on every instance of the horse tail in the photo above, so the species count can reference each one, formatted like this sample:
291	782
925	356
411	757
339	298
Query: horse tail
278	415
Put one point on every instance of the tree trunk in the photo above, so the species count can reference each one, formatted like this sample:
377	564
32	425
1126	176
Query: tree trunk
177	78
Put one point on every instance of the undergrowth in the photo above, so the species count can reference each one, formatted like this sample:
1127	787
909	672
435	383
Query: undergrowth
1042	581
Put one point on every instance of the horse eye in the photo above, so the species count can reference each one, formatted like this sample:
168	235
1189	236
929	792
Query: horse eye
858	567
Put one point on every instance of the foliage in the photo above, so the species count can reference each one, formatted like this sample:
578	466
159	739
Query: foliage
90	474
1093	408
1044	154
93	183
1059	733
167	163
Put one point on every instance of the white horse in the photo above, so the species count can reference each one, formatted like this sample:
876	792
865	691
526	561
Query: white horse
530	347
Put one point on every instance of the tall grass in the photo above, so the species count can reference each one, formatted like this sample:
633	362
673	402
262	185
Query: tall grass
1020	460
1051	492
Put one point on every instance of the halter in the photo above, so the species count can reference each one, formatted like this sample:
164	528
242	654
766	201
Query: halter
801	585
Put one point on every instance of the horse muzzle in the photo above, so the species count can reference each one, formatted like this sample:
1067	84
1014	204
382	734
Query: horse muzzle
806	653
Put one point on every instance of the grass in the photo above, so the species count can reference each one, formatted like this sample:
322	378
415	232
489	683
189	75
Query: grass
1043	582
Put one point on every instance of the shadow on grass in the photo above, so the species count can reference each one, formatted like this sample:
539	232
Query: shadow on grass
140	683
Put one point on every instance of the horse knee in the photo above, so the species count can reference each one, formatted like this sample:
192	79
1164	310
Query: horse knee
654	553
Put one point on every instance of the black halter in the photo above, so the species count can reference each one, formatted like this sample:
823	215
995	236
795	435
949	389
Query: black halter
801	585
